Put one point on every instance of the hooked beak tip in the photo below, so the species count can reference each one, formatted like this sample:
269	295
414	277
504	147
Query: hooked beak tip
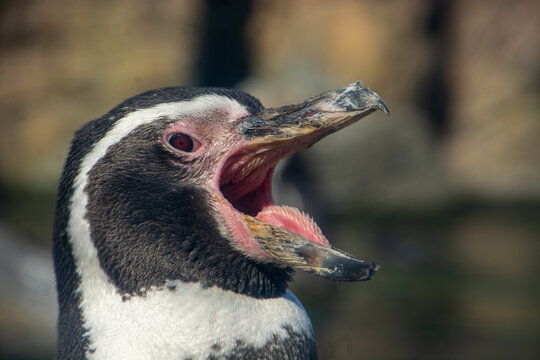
382	106
368	98
354	98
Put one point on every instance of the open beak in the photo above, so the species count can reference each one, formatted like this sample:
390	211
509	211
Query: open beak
288	236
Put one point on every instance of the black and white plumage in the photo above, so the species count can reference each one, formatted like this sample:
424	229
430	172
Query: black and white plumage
167	243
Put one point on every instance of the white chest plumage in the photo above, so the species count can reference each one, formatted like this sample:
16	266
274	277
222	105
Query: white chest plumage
186	322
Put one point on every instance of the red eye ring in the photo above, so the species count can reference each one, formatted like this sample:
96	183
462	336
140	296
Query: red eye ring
181	142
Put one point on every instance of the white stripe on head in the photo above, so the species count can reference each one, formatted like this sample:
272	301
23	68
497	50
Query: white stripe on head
84	251
173	323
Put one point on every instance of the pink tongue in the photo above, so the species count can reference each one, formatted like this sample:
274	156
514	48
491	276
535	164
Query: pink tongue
293	220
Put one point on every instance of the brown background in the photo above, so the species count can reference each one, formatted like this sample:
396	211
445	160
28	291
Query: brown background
445	193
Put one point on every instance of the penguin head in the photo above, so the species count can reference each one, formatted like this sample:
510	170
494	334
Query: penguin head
175	184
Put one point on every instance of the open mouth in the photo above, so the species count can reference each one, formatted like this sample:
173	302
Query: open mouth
243	186
246	183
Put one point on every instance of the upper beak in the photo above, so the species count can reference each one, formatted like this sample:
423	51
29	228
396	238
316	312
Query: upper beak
289	129
314	118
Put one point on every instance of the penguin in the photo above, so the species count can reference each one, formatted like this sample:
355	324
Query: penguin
167	243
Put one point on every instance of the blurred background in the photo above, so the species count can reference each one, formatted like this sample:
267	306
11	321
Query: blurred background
445	193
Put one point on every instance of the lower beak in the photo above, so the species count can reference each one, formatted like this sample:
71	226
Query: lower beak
294	250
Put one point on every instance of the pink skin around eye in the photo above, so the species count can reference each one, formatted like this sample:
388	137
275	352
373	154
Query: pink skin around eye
178	136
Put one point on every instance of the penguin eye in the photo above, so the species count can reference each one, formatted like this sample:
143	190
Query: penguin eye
181	142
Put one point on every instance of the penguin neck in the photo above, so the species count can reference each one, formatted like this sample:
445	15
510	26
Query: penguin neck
178	319
145	253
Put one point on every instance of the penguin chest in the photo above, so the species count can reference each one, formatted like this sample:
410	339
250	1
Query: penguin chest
183	320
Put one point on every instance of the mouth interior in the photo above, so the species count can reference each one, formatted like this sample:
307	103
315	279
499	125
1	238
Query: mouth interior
246	183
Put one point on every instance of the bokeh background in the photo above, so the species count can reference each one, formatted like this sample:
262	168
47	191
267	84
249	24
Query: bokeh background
445	193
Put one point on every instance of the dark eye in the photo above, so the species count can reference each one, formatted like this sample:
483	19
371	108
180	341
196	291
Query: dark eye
181	142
